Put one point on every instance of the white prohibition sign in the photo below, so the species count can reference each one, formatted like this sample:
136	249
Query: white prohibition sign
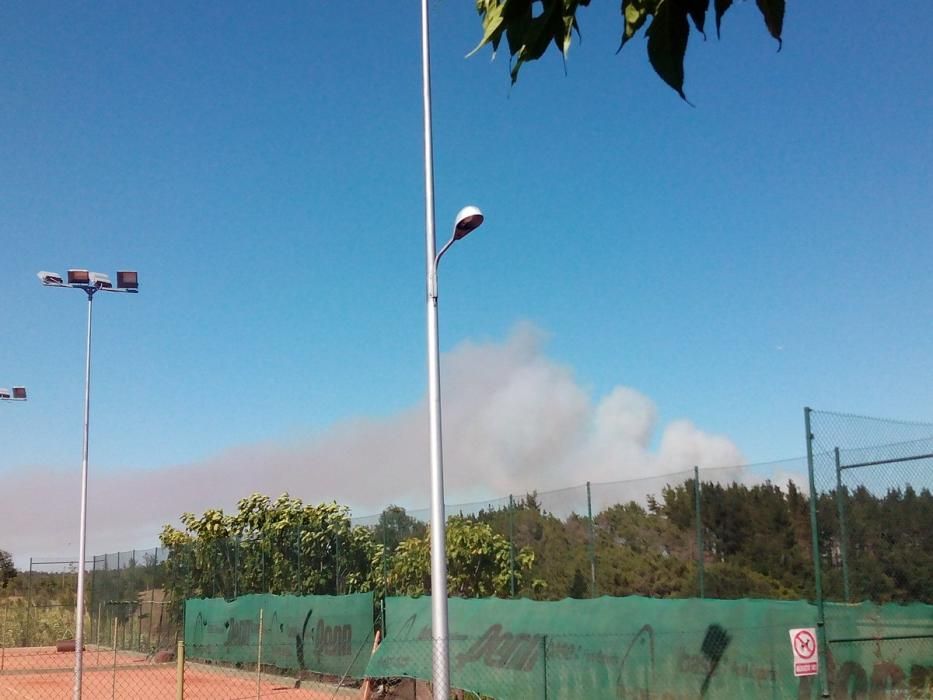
804	644
806	652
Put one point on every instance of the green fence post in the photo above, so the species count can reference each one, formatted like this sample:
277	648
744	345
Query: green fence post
843	535
135	641
27	631
152	590
299	588
336	563
385	578
592	545
817	577
544	662
264	575
699	520
236	566
90	605
511	546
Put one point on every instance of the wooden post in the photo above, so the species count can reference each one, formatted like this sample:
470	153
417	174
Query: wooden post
113	685
2	636
100	611
180	671
259	659
367	684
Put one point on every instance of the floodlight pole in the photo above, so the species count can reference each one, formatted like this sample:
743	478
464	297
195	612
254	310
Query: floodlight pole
82	535
90	283
440	656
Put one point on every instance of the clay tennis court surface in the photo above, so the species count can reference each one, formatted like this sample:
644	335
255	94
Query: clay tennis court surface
42	673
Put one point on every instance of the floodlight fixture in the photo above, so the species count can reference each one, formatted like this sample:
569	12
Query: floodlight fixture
79	277
127	279
101	281
18	393
51	279
91	282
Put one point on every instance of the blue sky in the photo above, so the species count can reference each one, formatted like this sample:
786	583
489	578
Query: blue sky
261	167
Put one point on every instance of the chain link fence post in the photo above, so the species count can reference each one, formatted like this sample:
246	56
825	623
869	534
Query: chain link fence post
591	546
817	574
699	526
511	546
843	539
27	629
544	663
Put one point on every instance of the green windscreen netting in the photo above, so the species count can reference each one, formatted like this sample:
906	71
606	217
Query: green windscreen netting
638	647
324	634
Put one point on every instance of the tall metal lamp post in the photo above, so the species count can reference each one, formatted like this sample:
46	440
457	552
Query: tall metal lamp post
90	283
18	394
468	219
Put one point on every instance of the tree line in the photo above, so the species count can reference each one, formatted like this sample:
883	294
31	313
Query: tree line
756	542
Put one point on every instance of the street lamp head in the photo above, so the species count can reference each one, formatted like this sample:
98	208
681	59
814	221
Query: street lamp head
50	278
468	219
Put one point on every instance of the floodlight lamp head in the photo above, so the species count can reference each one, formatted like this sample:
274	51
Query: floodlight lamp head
100	280
79	277
128	280
468	219
50	278
19	393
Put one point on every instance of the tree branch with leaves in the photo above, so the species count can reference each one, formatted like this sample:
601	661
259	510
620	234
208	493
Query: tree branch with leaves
530	27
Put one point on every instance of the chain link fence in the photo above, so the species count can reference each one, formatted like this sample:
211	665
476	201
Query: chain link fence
872	536
723	533
682	534
874	507
735	532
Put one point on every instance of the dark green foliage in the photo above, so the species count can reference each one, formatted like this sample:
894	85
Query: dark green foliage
756	544
7	570
579	588
888	544
395	526
280	546
531	28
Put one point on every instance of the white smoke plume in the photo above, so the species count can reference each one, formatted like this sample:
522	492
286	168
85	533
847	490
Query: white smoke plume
515	421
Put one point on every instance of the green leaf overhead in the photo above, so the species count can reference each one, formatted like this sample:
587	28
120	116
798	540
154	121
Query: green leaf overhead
697	10
634	12
773	11
667	43
493	24
531	26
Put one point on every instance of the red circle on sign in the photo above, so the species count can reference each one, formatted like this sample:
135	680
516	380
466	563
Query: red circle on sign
804	644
